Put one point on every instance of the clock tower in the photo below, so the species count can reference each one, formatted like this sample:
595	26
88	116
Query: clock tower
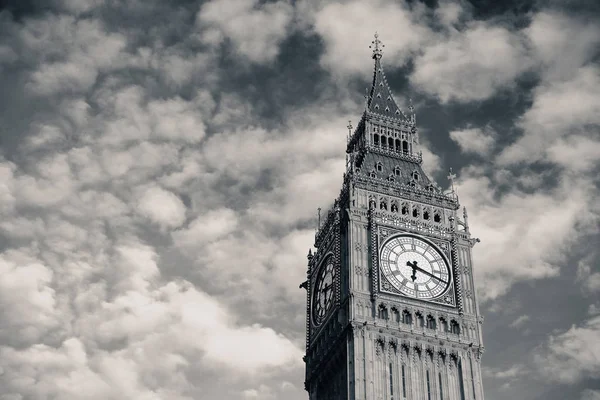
392	312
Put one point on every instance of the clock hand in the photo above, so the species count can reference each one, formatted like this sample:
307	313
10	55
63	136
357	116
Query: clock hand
414	266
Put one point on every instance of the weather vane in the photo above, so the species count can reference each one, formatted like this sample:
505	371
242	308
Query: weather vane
377	47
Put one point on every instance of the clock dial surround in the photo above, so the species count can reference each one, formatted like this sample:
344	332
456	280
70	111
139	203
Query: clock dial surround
324	291
415	267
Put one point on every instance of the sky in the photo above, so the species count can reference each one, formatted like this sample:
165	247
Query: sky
162	163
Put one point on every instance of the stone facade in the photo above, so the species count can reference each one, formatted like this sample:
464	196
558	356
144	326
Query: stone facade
370	341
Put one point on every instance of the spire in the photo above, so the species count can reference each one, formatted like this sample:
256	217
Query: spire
380	100
377	47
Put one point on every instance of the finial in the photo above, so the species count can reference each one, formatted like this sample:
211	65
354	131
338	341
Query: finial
466	219
349	129
411	108
319	216
377	47
451	177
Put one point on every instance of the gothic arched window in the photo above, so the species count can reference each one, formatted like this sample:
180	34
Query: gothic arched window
407	317
454	327
405	146
383	312
415	175
397	171
415	212
426	214
404	209
395	315
383	204
391	143
376	139
398	145
437	218
420	320
430	322
443	325
383	141
379	166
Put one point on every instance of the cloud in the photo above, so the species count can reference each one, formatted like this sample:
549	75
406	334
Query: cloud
255	29
474	140
572	355
559	109
589	280
161	207
589	394
399	28
562	43
520	321
206	228
82	49
542	226
472	64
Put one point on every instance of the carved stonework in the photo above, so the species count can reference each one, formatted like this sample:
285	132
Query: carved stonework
386	192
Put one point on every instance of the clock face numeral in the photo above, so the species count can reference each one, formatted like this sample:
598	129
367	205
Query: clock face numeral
324	292
414	267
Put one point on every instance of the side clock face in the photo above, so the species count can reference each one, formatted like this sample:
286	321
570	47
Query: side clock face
414	267
323	293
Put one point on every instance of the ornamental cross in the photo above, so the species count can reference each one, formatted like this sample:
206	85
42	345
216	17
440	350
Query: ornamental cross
349	129
377	46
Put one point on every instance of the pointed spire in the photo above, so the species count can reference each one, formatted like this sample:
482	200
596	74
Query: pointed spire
380	99
377	47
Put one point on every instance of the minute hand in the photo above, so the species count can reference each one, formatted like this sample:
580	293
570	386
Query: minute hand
427	273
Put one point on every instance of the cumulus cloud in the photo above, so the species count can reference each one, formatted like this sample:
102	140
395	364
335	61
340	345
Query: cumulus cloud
520	321
472	64
397	25
161	207
589	394
541	227
560	108
255	29
474	140
572	355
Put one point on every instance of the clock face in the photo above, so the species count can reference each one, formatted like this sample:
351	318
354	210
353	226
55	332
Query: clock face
323	294
414	267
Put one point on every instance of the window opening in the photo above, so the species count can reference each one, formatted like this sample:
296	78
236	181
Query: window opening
403	382
428	387
437	218
391	383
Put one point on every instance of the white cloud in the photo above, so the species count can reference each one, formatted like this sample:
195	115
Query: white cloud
83	49
206	228
534	229
161	207
470	65
590	280
256	30
560	108
474	140
589	394
562	43
520	321
573	355
398	27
